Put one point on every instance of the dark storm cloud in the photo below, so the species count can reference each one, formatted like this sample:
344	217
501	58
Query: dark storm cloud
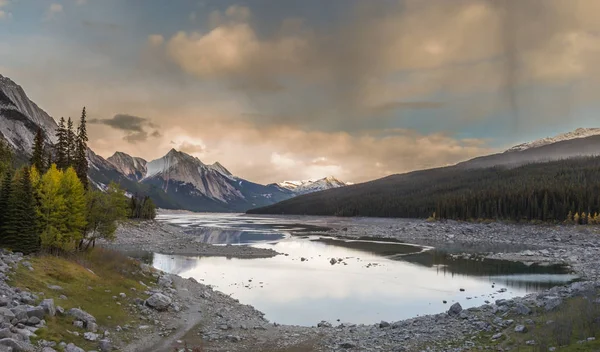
134	126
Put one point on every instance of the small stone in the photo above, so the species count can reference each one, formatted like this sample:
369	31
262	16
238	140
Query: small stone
78	324
521	329
347	344
32	321
497	336
90	336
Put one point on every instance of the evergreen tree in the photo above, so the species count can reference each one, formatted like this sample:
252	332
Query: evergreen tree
81	163
5	197
71	146
60	148
6	158
48	161
21	226
37	157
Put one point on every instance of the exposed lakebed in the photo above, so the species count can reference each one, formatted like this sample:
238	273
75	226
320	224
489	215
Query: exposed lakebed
369	281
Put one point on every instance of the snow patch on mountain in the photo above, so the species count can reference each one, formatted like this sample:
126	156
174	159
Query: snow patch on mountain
309	186
578	133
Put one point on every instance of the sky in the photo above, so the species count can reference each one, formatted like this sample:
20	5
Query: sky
287	90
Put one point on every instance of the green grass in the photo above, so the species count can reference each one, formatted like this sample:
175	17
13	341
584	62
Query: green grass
575	320
85	279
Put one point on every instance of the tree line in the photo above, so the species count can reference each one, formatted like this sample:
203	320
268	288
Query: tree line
558	191
49	205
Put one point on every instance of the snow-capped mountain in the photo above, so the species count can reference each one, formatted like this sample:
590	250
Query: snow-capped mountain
21	118
578	143
178	168
132	167
578	133
175	181
309	186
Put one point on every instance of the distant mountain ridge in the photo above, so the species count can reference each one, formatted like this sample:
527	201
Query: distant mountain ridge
576	134
309	186
403	195
175	181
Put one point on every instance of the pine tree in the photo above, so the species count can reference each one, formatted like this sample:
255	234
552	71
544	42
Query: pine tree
81	163
71	146
61	145
21	228
6	158
37	157
48	161
5	196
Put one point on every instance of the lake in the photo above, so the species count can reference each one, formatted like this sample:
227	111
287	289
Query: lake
323	278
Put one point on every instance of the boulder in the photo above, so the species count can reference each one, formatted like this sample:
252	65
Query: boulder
522	309
48	306
158	301
48	349
384	324
165	281
33	321
17	346
552	303
36	312
82	315
105	345
455	309
324	324
72	348
93	327
7	314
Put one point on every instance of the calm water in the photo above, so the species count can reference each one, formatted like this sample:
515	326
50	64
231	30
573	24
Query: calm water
374	280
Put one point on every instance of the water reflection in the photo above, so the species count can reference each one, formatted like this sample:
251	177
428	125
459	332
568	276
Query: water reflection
228	236
371	283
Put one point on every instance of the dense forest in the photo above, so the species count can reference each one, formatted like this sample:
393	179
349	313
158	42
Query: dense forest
558	191
48	203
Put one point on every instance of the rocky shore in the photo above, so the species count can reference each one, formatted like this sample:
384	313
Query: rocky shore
175	312
157	237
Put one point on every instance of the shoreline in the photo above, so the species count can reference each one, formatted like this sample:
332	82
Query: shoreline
220	332
152	236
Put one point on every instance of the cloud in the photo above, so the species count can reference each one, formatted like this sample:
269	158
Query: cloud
133	126
156	39
408	105
388	57
80	2
4	14
53	10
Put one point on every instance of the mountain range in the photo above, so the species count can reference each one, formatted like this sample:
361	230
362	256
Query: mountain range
174	181
420	193
181	181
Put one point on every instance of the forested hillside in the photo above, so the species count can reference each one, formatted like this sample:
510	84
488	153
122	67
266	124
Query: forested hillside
566	190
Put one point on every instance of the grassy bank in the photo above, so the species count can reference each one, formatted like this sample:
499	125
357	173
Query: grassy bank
90	281
567	328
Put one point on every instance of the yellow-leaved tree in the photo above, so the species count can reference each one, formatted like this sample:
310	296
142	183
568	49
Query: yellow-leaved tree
51	209
61	209
73	193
